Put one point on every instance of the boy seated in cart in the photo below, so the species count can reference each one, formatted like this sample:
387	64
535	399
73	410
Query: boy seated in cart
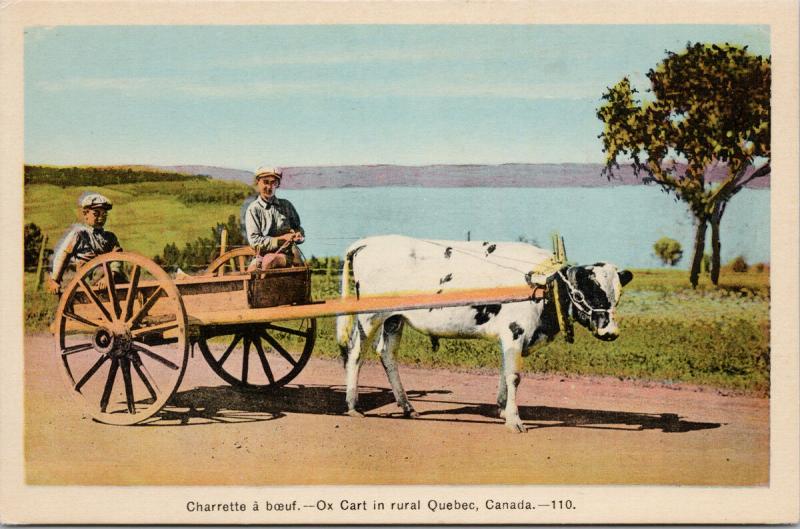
272	224
83	242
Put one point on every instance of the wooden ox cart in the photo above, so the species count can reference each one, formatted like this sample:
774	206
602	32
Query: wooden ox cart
124	328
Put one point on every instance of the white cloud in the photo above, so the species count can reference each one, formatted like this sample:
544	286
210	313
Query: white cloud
159	87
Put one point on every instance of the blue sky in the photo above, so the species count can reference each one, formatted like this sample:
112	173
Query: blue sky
240	96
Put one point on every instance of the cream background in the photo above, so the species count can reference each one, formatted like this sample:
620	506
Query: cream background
158	505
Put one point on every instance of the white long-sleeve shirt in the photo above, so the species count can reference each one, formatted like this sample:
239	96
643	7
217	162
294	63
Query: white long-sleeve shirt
265	220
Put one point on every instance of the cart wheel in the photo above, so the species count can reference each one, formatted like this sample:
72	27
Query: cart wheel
233	262
261	356
120	331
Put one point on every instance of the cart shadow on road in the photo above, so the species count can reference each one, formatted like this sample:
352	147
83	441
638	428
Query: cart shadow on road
536	417
224	404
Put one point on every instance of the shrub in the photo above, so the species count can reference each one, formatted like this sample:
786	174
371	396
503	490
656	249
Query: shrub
738	264
705	264
218	193
199	253
33	245
668	250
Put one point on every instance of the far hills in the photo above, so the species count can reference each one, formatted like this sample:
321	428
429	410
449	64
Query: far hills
505	175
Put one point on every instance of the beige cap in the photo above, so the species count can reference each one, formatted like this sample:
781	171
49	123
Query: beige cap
94	200
262	172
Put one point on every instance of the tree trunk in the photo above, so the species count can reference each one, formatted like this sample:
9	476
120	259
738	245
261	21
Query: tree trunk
716	217
699	247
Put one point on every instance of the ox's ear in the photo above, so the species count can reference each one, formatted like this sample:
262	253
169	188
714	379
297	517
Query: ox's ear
625	277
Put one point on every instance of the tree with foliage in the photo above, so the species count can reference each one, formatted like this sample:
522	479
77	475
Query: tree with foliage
709	110
668	250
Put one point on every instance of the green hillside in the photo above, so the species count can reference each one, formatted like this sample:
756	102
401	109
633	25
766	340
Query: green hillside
147	213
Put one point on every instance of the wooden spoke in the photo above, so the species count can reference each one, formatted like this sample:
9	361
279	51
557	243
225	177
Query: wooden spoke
152	354
242	263
80	319
245	359
126	377
133	286
78	348
230	349
287	330
264	362
140	370
112	290
146	307
89	374
112	375
154	328
89	292
278	347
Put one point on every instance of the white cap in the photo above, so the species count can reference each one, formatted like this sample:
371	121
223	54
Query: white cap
268	171
94	200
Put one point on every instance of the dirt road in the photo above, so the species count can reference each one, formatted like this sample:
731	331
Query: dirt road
581	431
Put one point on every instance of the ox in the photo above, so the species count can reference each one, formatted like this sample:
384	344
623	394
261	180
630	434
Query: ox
393	264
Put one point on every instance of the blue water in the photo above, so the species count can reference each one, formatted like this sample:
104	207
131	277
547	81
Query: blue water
617	224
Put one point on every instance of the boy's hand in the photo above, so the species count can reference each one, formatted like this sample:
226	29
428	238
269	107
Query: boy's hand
53	286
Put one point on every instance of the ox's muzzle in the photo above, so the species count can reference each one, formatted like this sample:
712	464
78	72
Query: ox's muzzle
608	333
605	327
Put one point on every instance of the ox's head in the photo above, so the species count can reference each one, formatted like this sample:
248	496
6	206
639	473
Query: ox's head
593	292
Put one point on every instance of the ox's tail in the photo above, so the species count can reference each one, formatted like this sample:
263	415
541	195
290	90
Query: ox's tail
345	322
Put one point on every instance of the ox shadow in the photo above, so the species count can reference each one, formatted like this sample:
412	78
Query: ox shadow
536	417
225	404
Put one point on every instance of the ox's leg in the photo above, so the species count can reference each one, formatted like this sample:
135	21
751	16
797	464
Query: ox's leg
512	361
388	344
502	390
356	351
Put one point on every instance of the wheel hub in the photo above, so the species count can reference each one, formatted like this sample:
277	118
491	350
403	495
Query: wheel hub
115	343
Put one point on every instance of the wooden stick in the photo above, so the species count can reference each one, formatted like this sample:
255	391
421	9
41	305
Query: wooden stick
39	265
223	245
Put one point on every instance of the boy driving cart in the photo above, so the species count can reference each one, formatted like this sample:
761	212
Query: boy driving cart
272	224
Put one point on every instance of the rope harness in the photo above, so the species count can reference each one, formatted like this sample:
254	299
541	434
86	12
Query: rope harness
579	300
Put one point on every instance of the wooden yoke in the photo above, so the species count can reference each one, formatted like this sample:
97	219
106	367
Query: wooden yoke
540	273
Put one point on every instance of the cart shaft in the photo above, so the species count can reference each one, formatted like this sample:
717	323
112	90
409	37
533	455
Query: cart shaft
342	306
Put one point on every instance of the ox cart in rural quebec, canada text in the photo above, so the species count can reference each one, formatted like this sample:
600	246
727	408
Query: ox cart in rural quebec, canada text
124	327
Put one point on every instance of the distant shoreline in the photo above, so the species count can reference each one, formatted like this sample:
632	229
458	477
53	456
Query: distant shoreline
443	176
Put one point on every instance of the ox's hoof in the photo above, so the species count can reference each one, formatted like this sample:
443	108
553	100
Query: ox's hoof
516	426
354	413
411	414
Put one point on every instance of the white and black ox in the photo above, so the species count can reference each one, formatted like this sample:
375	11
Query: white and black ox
395	264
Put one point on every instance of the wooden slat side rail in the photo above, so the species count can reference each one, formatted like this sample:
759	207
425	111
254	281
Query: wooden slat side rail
336	307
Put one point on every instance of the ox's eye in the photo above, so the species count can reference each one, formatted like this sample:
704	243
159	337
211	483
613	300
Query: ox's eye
579	296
